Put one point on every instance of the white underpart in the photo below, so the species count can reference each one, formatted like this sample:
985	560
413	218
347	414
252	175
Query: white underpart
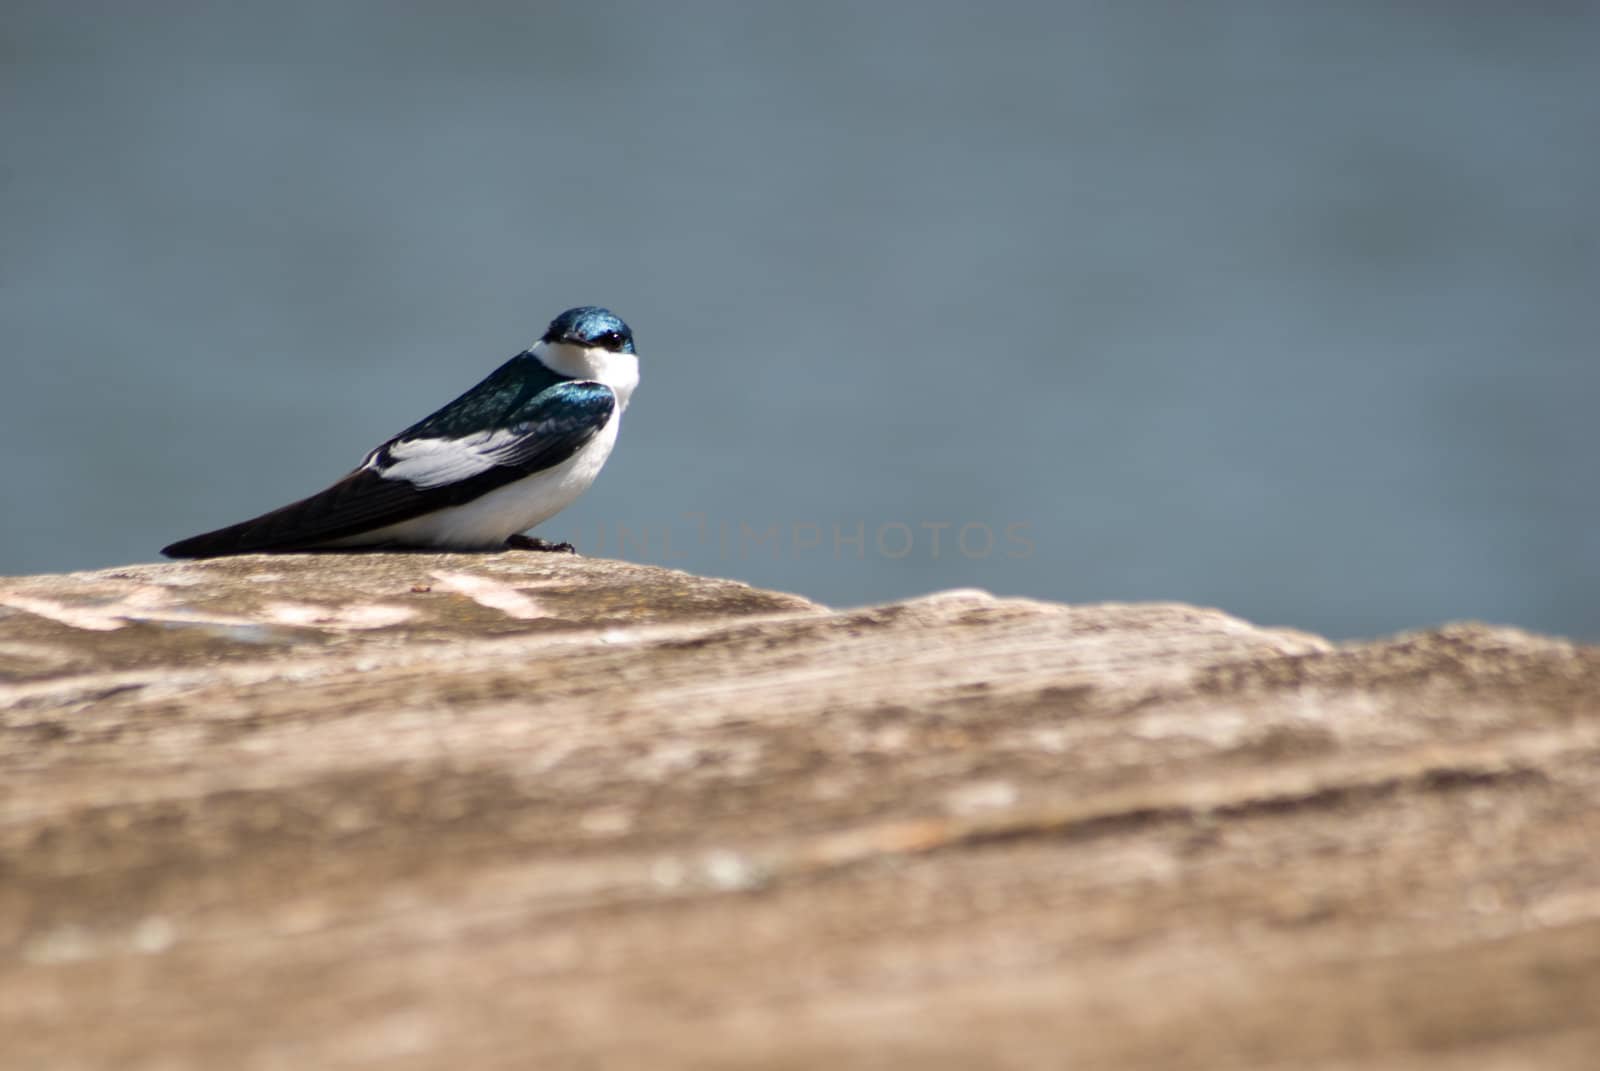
487	521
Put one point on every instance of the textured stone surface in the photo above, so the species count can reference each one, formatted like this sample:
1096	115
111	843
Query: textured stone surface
536	811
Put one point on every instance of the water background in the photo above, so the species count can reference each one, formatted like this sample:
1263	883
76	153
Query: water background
1290	309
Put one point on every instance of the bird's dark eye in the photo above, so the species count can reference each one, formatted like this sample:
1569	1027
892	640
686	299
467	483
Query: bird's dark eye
611	340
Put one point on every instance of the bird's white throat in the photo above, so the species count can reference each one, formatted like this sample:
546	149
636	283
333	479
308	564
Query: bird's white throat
619	371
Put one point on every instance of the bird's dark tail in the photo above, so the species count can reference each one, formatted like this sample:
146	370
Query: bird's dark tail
282	531
243	538
358	503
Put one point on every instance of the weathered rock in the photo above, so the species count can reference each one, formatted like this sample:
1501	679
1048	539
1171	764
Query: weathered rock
536	811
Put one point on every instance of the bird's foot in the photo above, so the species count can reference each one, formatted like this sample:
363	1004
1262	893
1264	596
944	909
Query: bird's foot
522	542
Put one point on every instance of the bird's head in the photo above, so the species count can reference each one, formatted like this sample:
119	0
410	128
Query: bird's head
590	326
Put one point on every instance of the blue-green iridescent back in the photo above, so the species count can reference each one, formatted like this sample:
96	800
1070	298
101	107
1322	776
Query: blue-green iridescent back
492	403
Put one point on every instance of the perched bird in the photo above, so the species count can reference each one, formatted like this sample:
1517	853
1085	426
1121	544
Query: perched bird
511	452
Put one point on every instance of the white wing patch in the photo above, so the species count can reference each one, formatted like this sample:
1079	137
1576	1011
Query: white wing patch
429	463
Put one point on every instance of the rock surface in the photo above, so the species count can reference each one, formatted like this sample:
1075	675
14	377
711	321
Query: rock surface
438	811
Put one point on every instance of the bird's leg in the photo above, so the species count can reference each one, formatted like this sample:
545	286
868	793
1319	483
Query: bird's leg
522	542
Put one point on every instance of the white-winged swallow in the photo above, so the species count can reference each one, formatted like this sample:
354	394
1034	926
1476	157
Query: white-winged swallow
508	454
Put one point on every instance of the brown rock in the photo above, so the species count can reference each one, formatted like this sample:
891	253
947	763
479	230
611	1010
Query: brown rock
521	810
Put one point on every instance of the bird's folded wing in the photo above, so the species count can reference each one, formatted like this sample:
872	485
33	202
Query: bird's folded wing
545	431
406	478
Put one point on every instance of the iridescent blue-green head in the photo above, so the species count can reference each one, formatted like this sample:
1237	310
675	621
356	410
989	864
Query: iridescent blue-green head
591	326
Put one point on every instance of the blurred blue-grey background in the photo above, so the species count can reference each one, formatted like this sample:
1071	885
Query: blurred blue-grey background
1290	309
